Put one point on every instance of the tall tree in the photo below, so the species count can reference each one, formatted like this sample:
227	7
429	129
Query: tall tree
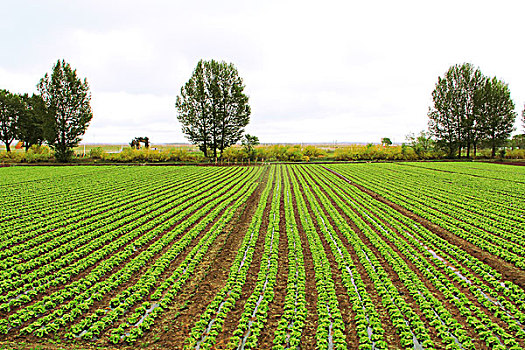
471	79
212	107
67	99
193	108
495	112
523	117
452	120
442	116
11	108
30	128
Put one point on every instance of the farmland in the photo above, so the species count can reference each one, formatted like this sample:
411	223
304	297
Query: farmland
335	256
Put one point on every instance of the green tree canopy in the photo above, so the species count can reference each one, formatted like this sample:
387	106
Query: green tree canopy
249	142
523	117
30	128
494	111
421	144
470	109
212	107
385	141
67	99
451	118
11	109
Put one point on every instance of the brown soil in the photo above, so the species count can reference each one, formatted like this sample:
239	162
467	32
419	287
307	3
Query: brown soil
448	305
210	276
342	296
232	320
390	332
136	276
511	163
508	271
308	340
276	307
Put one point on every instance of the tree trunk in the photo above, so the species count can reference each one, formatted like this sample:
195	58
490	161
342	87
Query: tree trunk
205	144
475	149
468	150
7	146
493	142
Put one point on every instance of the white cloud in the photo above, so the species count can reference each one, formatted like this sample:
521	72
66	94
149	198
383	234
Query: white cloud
315	71
18	82
103	49
118	117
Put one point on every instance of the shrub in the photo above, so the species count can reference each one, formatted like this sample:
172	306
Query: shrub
96	153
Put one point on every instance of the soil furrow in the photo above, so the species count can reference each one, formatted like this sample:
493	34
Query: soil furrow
508	271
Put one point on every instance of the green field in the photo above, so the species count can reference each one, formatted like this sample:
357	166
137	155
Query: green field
340	256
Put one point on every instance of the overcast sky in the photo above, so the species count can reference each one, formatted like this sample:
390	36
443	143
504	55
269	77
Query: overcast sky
315	71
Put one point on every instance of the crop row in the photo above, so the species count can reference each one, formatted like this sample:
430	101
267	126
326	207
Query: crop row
73	261
384	238
469	227
330	329
124	243
255	312
54	211
291	325
204	332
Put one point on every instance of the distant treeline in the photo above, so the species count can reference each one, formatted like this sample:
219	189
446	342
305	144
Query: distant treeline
414	150
471	116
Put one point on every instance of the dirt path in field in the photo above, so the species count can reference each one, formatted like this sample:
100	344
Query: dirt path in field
209	277
276	307
510	163
308	340
508	271
232	320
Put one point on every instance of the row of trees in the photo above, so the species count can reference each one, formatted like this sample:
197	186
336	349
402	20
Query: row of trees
212	109
21	118
470	110
59	115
